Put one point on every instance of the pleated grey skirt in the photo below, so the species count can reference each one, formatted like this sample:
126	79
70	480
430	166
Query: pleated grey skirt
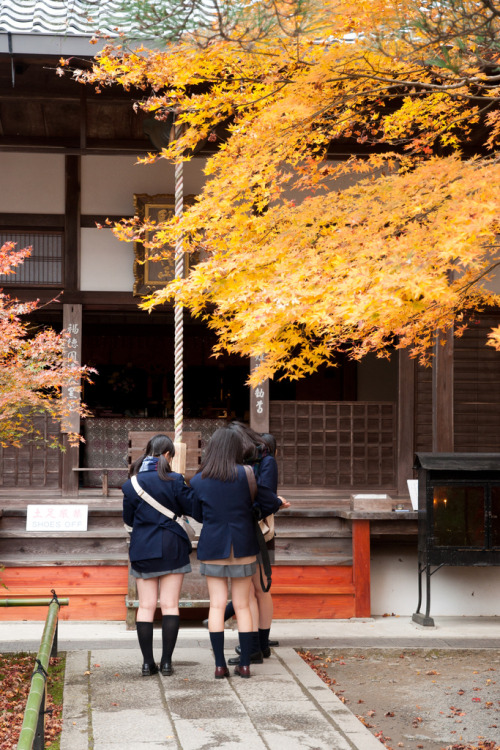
149	574
228	571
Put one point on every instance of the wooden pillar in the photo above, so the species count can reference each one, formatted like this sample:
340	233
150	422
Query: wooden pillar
406	420
361	566
442	394
72	316
72	224
259	402
72	324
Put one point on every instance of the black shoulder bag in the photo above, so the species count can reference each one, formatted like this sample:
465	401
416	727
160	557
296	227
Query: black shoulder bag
264	552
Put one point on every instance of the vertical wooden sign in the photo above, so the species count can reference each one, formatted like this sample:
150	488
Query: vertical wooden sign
72	324
259	401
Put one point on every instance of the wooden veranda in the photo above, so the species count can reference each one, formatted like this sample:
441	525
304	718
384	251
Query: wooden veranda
322	567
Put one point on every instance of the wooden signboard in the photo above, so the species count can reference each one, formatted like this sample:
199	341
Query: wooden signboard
259	402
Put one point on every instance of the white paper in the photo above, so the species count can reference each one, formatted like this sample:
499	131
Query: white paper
413	490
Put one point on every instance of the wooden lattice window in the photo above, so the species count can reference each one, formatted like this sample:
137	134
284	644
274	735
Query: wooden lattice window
45	265
339	444
33	464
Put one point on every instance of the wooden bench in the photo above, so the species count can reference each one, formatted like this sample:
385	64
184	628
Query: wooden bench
104	475
137	442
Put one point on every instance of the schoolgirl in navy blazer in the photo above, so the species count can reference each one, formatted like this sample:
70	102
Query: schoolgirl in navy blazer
149	524
225	509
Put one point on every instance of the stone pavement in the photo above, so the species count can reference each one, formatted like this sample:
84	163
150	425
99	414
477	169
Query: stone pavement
108	704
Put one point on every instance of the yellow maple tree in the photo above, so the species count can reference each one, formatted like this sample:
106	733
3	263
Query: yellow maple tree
304	250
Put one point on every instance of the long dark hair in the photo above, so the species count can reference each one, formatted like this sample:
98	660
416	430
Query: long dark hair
156	447
222	455
270	442
252	442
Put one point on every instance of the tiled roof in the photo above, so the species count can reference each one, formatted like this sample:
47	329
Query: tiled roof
57	17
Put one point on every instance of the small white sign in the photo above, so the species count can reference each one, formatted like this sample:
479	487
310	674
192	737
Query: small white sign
57	517
413	490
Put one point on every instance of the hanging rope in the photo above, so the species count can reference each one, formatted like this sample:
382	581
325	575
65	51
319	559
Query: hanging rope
178	310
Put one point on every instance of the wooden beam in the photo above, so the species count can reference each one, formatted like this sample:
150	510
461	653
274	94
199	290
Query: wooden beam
89	221
53	146
406	420
31	221
442	394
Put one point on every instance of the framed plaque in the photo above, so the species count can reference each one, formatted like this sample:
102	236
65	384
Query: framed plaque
149	274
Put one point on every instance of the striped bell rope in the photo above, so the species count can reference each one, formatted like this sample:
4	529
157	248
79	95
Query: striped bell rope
178	309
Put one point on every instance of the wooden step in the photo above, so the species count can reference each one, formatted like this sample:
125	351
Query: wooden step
69	560
107	533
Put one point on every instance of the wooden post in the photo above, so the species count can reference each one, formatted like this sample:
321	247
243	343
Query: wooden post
442	394
406	420
361	566
179	460
72	314
72	323
72	224
259	402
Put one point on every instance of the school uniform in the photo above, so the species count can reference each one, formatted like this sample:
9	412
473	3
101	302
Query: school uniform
226	510
158	545
266	473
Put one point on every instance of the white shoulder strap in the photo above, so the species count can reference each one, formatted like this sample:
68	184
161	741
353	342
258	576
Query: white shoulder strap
148	499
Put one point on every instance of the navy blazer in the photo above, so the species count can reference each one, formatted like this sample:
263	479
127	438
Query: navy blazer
225	509
266	472
149	524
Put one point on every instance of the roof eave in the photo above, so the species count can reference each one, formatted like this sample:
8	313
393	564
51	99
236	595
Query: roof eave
48	44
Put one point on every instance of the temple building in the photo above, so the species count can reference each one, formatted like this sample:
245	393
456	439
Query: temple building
68	163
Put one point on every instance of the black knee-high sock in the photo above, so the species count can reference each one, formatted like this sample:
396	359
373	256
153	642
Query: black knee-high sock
264	638
217	641
246	648
229	611
255	642
169	630
145	636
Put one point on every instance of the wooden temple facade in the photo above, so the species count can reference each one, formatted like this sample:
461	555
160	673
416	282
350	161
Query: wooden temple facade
68	163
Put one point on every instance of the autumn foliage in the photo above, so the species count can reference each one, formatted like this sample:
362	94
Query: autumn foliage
16	671
350	203
33	366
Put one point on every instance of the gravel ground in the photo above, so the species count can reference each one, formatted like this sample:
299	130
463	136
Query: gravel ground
419	698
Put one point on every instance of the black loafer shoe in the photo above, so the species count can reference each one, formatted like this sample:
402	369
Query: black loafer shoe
256	658
149	669
273	644
266	653
166	669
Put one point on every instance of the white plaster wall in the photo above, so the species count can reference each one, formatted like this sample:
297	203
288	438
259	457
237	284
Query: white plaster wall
32	183
109	182
455	591
106	263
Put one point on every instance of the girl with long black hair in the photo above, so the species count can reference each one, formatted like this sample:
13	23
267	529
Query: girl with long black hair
259	452
228	547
